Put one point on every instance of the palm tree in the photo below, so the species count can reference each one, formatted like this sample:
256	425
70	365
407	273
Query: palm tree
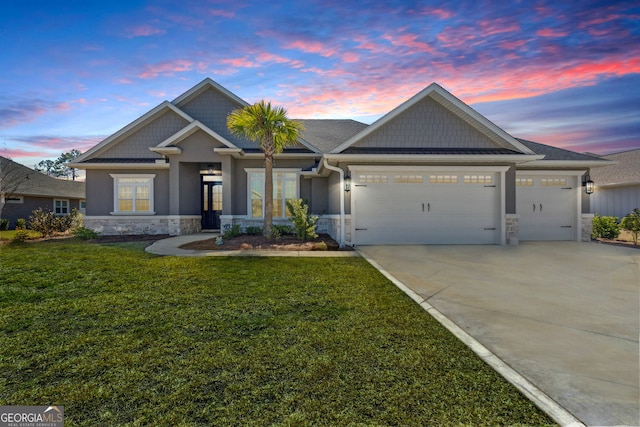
270	127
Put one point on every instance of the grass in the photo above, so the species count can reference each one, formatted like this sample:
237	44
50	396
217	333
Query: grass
120	337
10	234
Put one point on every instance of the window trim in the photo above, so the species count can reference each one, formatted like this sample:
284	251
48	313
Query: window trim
68	207
16	200
116	185
249	171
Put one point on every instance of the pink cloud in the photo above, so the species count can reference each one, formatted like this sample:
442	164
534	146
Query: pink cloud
512	45
408	41
457	37
311	47
350	57
222	13
144	31
550	32
239	62
166	68
438	12
497	26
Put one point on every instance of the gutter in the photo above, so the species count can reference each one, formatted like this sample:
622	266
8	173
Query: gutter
342	214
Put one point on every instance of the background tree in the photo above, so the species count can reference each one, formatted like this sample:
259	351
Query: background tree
12	175
58	167
631	223
273	130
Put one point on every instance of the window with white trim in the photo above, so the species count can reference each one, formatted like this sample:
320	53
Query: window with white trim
61	207
524	182
443	179
553	182
285	187
133	194
478	179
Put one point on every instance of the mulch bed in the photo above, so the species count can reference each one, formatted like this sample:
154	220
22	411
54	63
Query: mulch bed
130	238
614	242
286	243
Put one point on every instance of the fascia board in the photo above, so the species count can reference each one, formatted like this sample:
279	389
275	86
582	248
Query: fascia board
552	164
140	121
189	130
208	82
166	150
453	158
118	166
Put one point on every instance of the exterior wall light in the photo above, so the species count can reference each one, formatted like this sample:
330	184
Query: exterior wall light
347	183
588	184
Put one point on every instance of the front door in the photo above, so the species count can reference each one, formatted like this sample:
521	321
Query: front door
211	204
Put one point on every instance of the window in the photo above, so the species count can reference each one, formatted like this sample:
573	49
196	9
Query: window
553	182
443	179
60	207
285	187
373	179
133	194
524	182
407	179
478	179
14	199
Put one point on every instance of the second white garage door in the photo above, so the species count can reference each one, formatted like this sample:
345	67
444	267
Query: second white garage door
413	207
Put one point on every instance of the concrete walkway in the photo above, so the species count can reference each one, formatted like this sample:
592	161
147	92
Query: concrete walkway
171	246
563	315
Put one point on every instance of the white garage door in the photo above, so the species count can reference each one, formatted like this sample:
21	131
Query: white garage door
547	207
426	208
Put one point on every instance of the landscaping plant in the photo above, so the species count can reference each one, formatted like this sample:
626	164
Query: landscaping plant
303	222
605	227
631	223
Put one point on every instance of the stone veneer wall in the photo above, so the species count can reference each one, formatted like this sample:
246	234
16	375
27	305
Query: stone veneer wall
174	225
587	227
511	229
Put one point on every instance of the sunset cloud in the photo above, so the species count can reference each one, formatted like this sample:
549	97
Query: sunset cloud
144	31
166	68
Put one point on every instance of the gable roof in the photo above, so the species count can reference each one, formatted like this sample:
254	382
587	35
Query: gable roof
626	171
452	104
36	184
132	127
554	156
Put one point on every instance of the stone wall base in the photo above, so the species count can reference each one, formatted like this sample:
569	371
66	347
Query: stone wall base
586	227
174	225
511	229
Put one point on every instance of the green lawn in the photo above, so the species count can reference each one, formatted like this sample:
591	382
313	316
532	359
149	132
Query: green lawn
120	337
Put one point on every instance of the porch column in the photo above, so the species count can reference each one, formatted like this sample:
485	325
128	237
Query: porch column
174	186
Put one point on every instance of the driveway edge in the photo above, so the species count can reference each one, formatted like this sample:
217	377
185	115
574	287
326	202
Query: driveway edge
533	393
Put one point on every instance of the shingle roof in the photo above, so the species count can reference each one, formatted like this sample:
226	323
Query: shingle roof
627	171
33	183
555	153
429	150
327	134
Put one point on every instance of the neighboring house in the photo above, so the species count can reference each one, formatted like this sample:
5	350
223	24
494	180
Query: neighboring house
26	190
431	171
617	186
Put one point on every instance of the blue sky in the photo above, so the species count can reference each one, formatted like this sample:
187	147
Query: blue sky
563	73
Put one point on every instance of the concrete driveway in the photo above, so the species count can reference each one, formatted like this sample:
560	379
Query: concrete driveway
565	315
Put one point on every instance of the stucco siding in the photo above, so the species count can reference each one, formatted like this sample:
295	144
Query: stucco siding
14	211
427	124
136	145
199	148
100	199
190	189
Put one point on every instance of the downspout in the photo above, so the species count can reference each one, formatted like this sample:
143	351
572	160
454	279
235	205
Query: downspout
342	220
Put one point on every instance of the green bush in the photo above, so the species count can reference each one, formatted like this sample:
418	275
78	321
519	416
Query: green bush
631	223
44	222
85	233
253	230
303	222
20	236
605	227
232	231
21	224
4	224
283	229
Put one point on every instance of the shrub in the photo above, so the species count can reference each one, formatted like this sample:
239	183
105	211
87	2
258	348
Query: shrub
232	231
631	223
44	222
283	229
4	224
605	227
21	224
253	230
85	233
303	222
20	236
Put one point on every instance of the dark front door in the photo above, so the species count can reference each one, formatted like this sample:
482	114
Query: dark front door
211	204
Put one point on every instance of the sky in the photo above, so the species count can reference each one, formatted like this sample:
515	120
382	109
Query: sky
560	72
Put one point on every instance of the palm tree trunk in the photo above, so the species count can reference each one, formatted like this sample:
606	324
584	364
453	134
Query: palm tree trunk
268	194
